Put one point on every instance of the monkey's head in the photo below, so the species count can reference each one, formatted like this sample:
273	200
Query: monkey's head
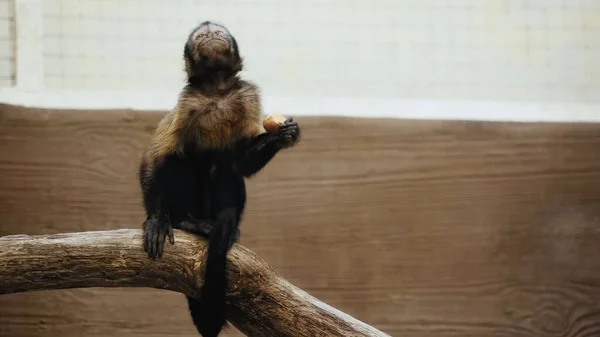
210	47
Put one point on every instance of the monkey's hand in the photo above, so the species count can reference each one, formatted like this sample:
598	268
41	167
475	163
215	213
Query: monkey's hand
155	232
288	134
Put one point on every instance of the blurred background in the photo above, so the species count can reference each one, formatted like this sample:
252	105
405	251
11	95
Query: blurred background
414	202
491	50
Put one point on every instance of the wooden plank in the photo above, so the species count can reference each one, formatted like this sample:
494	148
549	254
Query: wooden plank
419	228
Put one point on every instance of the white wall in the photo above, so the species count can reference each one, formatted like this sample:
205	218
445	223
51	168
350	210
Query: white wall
7	38
459	49
528	51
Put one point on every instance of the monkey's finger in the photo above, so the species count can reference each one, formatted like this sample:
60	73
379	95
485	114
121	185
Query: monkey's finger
161	243
288	127
293	130
145	239
171	236
157	235
296	130
149	244
152	244
288	124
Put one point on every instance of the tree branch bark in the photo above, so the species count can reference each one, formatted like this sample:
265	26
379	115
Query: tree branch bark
260	302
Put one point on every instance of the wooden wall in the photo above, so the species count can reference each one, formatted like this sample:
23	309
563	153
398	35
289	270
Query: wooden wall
420	228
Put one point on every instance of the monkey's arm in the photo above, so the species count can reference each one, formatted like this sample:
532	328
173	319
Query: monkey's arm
252	154
157	225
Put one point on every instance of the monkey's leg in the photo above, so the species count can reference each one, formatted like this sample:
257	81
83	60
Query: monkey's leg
157	222
202	227
253	154
170	194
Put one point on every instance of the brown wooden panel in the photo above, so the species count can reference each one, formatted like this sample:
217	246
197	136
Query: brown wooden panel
420	228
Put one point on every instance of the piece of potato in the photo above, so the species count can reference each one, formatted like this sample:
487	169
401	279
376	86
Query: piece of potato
273	121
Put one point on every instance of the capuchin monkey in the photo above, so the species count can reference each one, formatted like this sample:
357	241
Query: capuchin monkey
192	174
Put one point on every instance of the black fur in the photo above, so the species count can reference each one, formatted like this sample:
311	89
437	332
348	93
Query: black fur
202	191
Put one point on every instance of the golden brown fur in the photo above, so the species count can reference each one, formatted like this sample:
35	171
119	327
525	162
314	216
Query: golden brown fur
212	122
214	110
214	113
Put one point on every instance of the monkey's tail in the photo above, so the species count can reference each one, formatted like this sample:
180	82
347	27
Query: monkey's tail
209	314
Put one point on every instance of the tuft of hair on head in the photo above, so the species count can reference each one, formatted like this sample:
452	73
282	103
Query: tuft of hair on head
201	57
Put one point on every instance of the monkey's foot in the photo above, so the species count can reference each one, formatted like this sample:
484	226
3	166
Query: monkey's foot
155	233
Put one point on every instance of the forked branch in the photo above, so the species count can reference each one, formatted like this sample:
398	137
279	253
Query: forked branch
260	302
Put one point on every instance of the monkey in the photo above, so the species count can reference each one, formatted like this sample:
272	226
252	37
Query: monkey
192	174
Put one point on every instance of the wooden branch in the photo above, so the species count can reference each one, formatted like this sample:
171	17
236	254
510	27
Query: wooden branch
260	302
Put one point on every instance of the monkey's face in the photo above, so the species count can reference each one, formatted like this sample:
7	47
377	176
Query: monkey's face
212	46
